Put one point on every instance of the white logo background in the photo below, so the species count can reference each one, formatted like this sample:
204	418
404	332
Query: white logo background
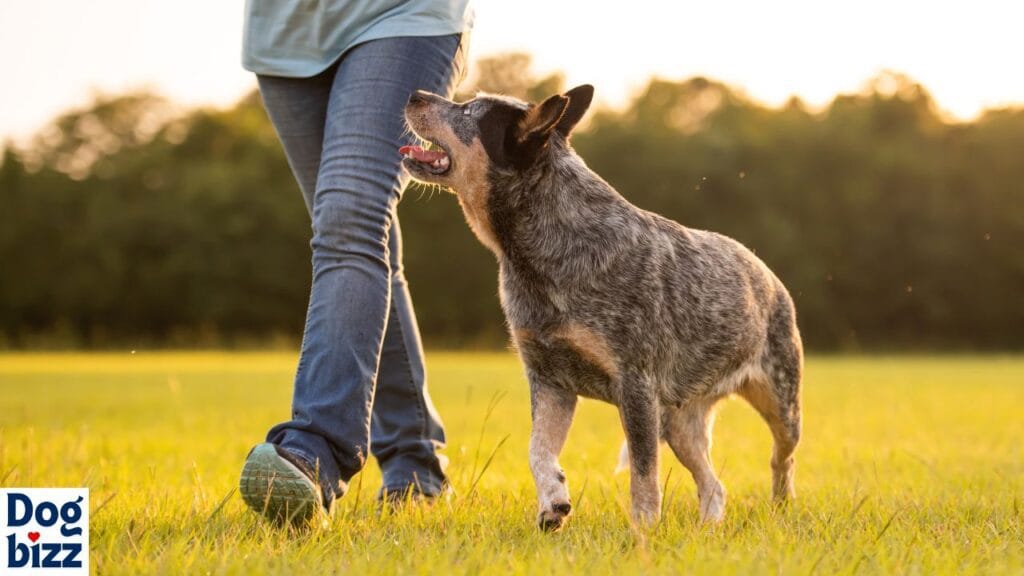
43	531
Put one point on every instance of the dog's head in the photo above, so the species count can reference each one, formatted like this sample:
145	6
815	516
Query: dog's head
488	137
486	133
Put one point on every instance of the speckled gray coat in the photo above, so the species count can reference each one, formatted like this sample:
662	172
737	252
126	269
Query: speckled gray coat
612	302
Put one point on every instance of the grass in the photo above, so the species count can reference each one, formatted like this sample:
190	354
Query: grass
909	465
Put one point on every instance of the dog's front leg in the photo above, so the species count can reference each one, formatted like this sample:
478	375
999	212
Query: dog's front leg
638	407
552	410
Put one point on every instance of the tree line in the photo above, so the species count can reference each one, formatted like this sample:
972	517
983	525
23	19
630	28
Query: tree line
129	223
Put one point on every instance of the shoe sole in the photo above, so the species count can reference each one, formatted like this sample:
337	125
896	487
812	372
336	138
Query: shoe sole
276	488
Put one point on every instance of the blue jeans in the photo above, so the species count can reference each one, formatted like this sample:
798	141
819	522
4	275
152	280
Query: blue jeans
360	374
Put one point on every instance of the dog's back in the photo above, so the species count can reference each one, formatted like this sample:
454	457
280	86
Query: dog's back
696	308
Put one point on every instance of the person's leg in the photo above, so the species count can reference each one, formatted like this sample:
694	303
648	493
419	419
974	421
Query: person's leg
358	186
275	482
297	108
406	430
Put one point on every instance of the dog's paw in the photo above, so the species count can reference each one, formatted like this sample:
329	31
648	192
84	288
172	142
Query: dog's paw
645	517
712	507
553	519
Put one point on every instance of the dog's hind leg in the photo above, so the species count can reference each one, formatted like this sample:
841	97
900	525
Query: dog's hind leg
552	410
776	396
688	432
784	421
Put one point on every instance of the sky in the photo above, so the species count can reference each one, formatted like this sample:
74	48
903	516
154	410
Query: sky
58	54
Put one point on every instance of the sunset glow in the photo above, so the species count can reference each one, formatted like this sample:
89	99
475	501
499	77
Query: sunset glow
58	53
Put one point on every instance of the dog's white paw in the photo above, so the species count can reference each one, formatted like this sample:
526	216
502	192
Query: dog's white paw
554	517
712	508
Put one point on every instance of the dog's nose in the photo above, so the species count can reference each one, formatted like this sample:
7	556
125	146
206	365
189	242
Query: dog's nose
418	97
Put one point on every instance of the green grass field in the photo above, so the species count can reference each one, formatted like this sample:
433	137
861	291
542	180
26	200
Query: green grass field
908	465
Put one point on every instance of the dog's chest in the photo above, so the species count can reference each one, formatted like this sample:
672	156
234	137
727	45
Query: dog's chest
571	358
558	348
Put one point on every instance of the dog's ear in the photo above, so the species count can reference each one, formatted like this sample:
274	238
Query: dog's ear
579	101
533	130
538	122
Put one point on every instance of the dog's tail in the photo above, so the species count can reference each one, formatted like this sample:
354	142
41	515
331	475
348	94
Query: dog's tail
623	464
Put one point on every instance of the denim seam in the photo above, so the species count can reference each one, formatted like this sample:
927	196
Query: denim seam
421	405
305	331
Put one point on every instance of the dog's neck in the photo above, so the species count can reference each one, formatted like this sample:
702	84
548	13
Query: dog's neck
559	218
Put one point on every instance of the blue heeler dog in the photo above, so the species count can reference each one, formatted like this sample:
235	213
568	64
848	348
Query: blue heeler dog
608	301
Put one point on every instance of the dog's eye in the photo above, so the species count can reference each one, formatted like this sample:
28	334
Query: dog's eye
466	112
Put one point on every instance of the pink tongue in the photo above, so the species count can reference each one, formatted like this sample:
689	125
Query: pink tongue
421	155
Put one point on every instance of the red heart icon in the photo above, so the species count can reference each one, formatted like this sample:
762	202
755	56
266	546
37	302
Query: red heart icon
33	536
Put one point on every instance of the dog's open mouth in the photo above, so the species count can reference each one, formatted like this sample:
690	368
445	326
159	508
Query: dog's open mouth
435	162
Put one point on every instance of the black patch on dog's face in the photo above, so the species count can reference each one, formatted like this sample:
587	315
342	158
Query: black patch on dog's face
499	126
495	128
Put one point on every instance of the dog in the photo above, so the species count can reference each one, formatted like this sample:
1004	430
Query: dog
608	301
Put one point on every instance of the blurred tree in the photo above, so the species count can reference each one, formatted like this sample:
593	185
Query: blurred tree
892	227
76	141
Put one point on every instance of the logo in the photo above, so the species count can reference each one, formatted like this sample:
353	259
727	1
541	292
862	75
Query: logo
44	531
